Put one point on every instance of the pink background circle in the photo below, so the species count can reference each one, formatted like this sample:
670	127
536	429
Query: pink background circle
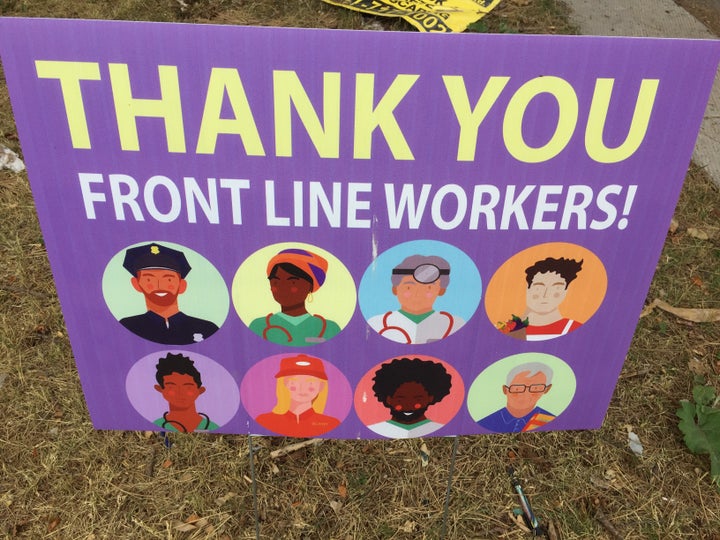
371	411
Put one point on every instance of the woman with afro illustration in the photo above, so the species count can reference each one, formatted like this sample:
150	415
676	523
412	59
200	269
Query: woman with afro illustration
408	387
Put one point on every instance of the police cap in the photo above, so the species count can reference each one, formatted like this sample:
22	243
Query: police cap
150	256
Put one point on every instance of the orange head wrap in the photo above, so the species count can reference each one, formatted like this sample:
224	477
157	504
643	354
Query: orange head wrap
310	263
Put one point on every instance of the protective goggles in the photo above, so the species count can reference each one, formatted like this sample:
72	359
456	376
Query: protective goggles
425	273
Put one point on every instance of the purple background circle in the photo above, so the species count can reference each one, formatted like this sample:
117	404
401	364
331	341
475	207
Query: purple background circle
220	400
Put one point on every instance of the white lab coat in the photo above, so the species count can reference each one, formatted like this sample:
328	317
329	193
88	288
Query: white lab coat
395	326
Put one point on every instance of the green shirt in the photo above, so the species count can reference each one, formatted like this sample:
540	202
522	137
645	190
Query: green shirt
299	331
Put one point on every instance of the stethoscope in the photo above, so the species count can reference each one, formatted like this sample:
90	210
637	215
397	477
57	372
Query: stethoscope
269	326
424	273
388	327
175	424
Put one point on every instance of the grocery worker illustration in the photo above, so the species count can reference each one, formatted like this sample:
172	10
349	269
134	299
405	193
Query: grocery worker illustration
158	273
416	282
547	286
294	275
302	393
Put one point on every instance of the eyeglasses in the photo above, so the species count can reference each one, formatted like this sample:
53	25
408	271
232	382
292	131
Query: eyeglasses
522	388
425	273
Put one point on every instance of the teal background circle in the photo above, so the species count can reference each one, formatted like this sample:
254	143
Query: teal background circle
206	296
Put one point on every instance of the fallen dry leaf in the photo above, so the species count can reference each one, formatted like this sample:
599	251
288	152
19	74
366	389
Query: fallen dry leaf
184	527
54	522
192	523
336	506
691	314
599	482
520	522
698	233
201	522
408	527
699	368
225	498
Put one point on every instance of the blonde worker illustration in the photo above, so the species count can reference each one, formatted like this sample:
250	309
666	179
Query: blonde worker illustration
417	282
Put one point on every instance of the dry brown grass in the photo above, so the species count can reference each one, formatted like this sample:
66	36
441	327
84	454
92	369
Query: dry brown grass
61	479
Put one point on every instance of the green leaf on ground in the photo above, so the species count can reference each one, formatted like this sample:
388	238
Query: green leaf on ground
700	424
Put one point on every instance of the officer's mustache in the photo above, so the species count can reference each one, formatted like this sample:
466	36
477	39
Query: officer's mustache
160	296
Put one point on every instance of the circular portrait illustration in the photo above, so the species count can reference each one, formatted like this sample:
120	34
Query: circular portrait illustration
296	395
546	291
165	293
182	391
522	392
420	292
294	294
408	397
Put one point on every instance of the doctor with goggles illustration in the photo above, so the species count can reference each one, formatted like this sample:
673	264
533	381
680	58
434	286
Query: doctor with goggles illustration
416	282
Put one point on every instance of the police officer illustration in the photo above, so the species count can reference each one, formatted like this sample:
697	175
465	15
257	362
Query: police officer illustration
158	272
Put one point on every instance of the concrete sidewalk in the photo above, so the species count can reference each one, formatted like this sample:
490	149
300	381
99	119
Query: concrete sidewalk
656	18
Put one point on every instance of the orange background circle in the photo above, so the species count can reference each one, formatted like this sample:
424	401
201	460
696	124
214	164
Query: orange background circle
506	291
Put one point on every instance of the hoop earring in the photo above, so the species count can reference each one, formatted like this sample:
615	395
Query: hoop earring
309	297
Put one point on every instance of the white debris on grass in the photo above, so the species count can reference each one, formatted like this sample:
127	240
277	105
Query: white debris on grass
634	443
10	160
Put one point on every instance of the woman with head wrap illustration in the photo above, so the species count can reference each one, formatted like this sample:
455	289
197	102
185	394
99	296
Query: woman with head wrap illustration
302	392
294	275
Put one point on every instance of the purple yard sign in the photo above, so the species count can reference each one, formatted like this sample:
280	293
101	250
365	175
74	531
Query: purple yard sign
351	234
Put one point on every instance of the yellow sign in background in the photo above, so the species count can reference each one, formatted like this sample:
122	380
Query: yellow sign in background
425	15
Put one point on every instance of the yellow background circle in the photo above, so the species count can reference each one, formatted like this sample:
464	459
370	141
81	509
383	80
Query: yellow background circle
335	300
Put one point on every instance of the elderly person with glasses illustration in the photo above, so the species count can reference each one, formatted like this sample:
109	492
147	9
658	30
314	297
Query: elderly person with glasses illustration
524	386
